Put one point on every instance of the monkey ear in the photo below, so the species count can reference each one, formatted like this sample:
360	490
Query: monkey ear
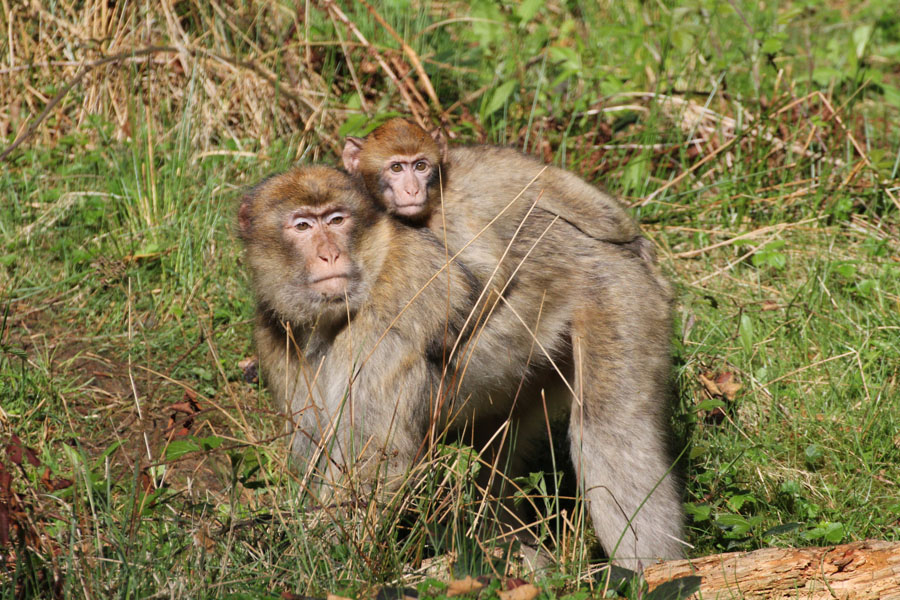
352	148
245	221
441	140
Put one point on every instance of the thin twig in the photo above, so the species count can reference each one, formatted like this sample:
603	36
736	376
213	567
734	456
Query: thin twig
762	230
413	57
343	18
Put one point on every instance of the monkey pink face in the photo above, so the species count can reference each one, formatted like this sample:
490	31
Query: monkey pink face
322	238
404	184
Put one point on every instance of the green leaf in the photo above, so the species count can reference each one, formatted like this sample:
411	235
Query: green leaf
676	589
771	46
735	524
499	98
699	512
861	37
570	59
709	404
210	442
846	270
354	125
813	454
867	286
745	332
178	448
834	532
737	501
776	260
528	9
891	94
781	529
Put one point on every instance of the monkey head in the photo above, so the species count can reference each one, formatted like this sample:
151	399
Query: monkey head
301	231
398	163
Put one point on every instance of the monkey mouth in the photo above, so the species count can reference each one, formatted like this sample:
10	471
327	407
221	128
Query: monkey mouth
330	285
410	209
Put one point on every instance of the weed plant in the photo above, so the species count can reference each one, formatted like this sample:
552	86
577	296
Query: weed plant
756	142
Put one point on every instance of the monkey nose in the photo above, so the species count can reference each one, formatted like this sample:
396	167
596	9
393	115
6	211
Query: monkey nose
330	257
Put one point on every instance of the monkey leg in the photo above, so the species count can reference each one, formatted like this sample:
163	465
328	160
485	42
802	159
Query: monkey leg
618	427
367	426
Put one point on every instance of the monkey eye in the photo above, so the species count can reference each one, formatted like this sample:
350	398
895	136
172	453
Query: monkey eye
421	165
336	217
396	167
301	223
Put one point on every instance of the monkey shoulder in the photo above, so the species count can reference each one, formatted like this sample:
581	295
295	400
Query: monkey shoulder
414	280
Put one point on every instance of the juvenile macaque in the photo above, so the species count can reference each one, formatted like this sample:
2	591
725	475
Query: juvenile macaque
572	288
404	169
340	350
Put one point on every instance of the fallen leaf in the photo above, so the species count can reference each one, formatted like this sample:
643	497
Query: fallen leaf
190	407
202	539
523	592
250	368
458	587
710	385
53	485
146	481
15	450
513	582
728	386
770	305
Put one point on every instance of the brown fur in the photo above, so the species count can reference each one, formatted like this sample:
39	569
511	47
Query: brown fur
592	306
359	377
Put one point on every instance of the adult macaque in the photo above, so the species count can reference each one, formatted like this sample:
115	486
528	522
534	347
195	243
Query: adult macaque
572	288
339	348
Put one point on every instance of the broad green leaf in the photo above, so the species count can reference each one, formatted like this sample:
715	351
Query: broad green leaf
499	97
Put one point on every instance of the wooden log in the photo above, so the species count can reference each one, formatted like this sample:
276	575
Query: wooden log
868	570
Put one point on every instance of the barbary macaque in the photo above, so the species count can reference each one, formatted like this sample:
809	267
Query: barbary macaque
571	289
353	312
404	169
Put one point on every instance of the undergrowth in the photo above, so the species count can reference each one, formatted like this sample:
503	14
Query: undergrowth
757	145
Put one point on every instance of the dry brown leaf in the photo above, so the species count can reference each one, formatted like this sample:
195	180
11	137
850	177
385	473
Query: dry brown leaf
250	369
458	587
726	383
333	597
202	539
523	592
770	305
710	385
54	484
16	450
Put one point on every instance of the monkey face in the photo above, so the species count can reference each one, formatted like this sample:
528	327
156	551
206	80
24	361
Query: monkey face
398	162
320	239
300	230
404	184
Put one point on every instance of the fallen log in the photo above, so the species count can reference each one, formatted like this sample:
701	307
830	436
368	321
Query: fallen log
868	570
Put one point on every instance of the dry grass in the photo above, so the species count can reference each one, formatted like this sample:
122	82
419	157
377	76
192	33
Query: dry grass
106	364
249	72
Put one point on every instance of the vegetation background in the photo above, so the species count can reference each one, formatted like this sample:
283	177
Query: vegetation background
757	142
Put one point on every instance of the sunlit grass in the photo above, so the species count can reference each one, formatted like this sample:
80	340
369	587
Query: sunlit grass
756	147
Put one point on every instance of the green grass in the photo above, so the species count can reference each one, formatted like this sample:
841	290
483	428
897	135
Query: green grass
123	297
